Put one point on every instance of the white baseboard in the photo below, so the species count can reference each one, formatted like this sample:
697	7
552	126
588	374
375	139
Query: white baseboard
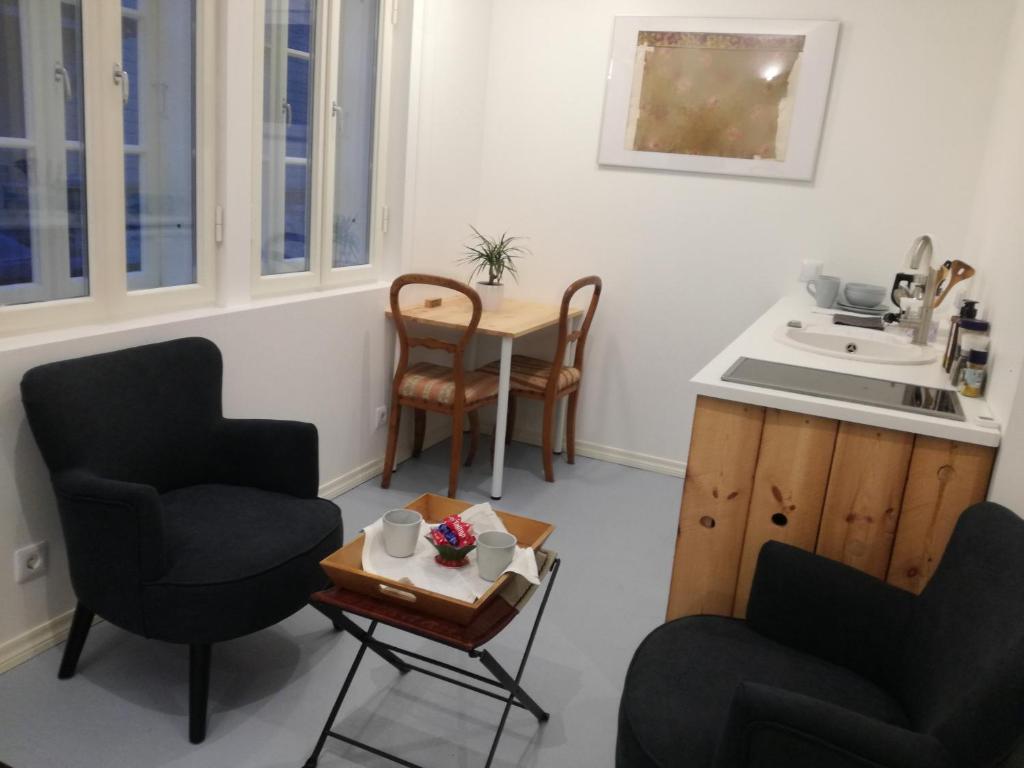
20	649
663	466
374	467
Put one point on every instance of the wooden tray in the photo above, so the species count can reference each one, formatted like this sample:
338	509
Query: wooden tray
345	567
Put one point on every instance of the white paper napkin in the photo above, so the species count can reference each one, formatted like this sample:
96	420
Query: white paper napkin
420	570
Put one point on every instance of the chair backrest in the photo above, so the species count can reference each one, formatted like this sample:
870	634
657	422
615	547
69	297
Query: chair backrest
456	349
963	662
143	414
565	336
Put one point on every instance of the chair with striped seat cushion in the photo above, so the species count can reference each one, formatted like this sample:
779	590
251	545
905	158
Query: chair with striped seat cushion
435	384
550	381
531	374
450	391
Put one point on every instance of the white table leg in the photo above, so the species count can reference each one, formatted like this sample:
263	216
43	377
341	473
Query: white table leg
501	423
563	403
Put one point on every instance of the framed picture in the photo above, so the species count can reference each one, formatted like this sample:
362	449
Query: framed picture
745	97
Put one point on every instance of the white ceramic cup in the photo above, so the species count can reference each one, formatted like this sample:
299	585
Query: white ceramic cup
494	552
401	530
824	289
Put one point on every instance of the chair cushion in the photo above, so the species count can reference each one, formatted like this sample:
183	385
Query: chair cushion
436	384
239	559
532	374
683	677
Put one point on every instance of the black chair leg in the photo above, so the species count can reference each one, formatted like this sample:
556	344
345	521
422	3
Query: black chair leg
198	690
76	640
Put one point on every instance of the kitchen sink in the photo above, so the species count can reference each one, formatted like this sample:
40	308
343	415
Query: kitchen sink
856	344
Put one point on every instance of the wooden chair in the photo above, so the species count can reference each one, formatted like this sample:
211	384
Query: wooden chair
552	380
429	387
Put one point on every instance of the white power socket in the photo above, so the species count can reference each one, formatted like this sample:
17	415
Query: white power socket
380	417
31	562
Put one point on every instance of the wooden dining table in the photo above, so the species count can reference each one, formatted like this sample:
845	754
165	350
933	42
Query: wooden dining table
512	321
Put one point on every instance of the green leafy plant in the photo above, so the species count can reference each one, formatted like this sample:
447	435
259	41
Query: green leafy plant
493	256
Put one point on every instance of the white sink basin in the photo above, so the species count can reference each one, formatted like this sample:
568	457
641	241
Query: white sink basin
856	344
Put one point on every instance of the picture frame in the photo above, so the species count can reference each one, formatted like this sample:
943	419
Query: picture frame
744	97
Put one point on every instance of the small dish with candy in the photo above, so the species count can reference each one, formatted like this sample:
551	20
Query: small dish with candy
454	540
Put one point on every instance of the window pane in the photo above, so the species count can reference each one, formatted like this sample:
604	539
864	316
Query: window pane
287	139
43	237
353	159
158	53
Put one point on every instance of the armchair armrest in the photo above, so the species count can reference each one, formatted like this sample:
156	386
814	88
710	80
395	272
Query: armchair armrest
829	610
114	535
770	727
280	456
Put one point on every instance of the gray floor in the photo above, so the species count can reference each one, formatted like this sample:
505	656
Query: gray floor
270	692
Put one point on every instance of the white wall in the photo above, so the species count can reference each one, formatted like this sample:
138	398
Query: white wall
688	260
996	248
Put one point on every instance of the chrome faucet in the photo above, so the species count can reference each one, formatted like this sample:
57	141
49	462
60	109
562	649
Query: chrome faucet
920	252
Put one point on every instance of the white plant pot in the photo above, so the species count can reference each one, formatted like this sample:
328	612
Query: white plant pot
491	296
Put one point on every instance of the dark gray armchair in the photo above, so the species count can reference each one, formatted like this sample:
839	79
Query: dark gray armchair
180	525
836	669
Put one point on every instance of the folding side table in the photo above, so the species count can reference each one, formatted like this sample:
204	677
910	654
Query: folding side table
337	603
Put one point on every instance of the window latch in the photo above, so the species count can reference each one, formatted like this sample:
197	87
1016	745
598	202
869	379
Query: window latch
121	78
60	75
287	109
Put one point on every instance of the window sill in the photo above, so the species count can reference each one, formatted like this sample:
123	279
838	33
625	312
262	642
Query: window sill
57	335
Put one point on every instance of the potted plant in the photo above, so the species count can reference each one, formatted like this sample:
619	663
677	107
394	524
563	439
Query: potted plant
492	257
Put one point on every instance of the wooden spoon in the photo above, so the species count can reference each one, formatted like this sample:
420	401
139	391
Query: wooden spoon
953	272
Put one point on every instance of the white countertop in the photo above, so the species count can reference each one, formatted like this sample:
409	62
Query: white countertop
759	342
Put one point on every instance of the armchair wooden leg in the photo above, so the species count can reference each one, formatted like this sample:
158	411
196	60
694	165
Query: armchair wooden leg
198	690
456	459
547	446
389	455
420	429
570	428
474	436
80	625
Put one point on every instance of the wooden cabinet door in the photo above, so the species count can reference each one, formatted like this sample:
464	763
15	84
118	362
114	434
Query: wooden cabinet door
713	514
945	478
865	493
789	489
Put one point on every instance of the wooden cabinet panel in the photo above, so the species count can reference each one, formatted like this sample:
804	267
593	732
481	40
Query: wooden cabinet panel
865	492
713	515
945	478
789	489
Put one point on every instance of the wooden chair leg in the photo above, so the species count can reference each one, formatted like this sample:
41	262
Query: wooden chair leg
547	441
510	422
76	640
420	429
570	428
456	458
198	690
474	436
389	455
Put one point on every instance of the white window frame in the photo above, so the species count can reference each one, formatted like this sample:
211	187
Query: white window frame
110	295
322	274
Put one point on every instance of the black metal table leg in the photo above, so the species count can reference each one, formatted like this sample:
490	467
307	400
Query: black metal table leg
515	691
364	637
313	758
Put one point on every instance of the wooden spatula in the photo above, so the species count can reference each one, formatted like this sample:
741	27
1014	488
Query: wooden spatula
953	272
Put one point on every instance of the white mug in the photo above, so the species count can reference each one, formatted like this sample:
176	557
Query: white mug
494	552
401	529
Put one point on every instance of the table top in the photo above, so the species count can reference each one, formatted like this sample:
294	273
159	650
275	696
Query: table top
514	319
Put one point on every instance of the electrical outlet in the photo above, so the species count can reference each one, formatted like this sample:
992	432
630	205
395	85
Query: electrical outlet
31	562
380	417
